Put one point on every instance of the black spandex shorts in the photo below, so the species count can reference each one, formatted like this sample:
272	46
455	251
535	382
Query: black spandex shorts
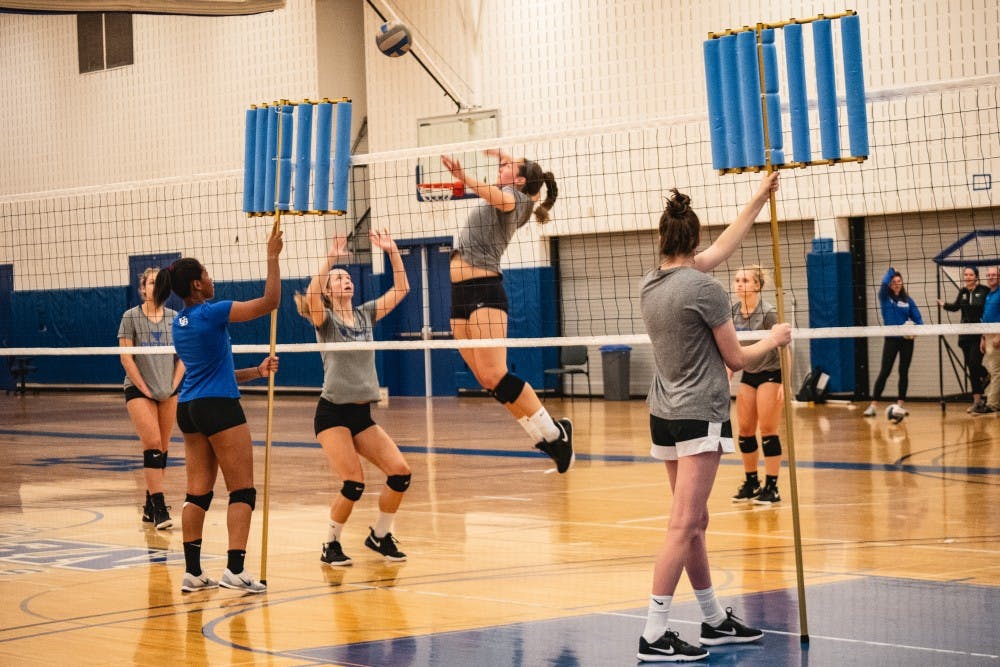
469	296
757	379
355	417
209	416
132	392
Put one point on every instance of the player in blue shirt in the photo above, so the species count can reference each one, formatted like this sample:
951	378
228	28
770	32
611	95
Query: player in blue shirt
209	414
990	345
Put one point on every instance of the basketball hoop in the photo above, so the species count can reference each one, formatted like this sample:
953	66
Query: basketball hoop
438	192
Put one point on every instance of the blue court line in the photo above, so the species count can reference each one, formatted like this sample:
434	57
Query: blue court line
581	456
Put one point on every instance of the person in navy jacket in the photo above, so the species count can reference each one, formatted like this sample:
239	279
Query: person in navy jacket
897	308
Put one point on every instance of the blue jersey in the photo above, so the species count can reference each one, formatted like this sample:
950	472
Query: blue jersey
896	310
201	339
991	309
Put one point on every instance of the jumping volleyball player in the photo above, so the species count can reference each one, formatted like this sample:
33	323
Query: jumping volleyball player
479	302
343	422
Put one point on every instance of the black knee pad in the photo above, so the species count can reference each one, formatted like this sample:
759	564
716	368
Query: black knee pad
154	458
748	444
771	444
398	482
248	496
203	502
352	490
508	388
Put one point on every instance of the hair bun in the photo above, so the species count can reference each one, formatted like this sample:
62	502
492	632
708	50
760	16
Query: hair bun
678	204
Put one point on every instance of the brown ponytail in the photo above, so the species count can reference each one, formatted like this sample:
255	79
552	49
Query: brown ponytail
534	178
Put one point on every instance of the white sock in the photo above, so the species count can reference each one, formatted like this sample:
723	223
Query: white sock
383	524
529	428
711	609
333	532
543	422
657	618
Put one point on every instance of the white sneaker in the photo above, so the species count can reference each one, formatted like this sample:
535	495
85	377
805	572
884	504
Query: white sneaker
241	582
870	412
192	583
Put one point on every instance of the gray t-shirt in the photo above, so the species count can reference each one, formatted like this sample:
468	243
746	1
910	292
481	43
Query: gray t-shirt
349	376
486	234
157	370
680	307
762	318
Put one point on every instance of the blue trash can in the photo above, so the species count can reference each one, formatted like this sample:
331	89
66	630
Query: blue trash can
615	360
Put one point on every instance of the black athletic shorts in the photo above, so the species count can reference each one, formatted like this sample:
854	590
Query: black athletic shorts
132	391
469	296
355	417
674	438
209	416
757	379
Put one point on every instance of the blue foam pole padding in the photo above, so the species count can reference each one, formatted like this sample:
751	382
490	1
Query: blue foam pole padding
798	104
777	156
770	61
260	158
731	103
248	160
270	186
285	159
753	122
716	112
324	128
774	137
303	157
854	85
826	90
342	157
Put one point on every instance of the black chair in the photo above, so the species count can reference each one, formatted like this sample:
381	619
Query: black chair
19	369
573	361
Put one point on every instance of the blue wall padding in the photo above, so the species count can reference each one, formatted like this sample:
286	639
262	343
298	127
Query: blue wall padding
731	103
770	53
798	103
826	90
342	157
303	157
753	123
260	157
324	128
830	287
285	158
249	160
716	110
854	85
272	153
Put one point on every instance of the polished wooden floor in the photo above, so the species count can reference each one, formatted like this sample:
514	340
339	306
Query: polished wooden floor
509	563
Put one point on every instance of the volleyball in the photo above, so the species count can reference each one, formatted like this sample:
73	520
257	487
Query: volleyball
894	413
393	39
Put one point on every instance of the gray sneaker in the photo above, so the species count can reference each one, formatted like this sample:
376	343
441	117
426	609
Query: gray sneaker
194	583
241	582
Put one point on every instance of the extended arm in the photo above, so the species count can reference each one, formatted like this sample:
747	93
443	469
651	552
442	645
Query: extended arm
730	239
400	283
496	197
243	311
314	293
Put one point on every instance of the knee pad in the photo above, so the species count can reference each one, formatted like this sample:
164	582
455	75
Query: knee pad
771	444
154	458
248	496
398	483
352	490
203	502
508	388
748	444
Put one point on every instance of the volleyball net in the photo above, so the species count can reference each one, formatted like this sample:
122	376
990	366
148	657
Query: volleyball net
925	189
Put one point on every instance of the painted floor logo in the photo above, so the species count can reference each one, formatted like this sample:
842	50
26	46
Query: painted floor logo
85	556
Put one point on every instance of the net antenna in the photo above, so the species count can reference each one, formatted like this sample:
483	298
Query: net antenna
744	111
976	249
267	191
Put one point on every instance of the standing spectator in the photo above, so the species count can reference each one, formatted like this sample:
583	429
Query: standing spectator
970	300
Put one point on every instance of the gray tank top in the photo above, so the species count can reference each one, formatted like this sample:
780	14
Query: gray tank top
349	376
483	239
762	318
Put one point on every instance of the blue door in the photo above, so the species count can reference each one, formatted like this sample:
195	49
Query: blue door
6	319
139	263
403	370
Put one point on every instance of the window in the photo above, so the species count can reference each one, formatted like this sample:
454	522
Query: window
104	40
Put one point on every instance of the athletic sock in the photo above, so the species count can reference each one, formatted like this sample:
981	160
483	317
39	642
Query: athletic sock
752	477
333	531
657	618
157	500
383	524
192	557
771	480
546	427
710	608
529	428
235	560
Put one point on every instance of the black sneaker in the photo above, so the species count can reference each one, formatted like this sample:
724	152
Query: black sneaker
767	496
147	510
748	491
669	648
561	450
730	631
385	546
333	554
161	517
